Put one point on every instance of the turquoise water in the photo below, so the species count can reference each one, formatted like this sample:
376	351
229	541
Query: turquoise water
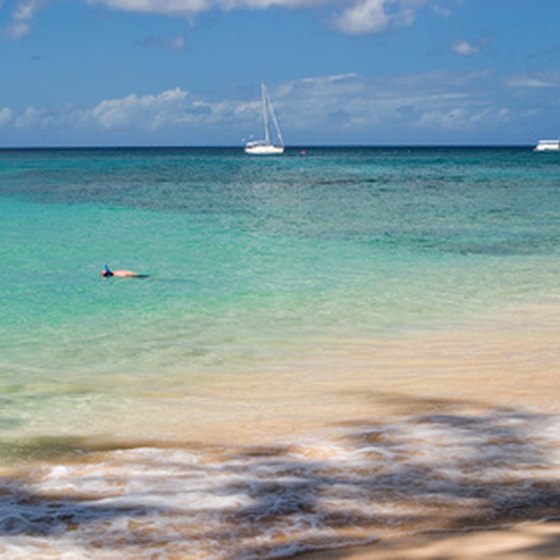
253	260
247	252
250	259
254	264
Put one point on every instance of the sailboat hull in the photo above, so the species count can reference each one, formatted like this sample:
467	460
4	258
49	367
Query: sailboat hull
264	150
266	146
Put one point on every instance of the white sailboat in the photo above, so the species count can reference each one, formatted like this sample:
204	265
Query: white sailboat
266	147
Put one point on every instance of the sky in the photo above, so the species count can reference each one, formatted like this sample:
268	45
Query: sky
340	72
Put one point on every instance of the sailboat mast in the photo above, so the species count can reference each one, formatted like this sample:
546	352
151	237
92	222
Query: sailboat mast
265	113
276	125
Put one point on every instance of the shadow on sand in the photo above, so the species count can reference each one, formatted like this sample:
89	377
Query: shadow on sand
438	466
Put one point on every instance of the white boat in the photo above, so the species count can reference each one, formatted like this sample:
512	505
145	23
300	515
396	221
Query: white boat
266	147
547	146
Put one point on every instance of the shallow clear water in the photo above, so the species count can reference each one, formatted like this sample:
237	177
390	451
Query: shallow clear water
248	257
252	260
255	265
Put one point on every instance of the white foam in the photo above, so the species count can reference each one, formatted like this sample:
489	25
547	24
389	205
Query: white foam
340	488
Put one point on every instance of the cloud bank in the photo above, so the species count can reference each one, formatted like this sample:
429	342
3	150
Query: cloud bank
350	16
346	105
361	16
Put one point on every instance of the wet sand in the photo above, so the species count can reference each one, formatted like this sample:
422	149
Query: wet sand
522	541
507	360
434	444
512	361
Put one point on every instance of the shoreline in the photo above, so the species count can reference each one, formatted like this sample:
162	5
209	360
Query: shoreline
519	541
411	440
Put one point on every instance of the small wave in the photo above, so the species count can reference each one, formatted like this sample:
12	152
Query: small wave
350	486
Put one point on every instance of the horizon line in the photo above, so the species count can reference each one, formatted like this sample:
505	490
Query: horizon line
238	147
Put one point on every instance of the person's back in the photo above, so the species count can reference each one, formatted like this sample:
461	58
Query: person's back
108	273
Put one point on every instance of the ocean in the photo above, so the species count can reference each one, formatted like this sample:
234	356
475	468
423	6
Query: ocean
330	347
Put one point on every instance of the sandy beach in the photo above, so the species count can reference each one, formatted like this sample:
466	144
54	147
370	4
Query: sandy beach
522	541
440	444
510	362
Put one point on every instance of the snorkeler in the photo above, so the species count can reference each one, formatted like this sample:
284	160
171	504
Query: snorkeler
107	273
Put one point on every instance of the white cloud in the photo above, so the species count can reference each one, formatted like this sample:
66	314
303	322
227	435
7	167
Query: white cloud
460	118
5	116
190	7
366	16
147	111
438	100
162	111
372	16
441	11
352	102
17	30
443	119
159	6
534	82
431	103
343	104
468	48
338	79
26	9
29	118
465	48
351	16
360	16
22	15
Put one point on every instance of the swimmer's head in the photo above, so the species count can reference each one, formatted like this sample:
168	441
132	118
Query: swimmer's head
106	272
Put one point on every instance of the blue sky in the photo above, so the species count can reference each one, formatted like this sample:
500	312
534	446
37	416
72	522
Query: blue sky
188	72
